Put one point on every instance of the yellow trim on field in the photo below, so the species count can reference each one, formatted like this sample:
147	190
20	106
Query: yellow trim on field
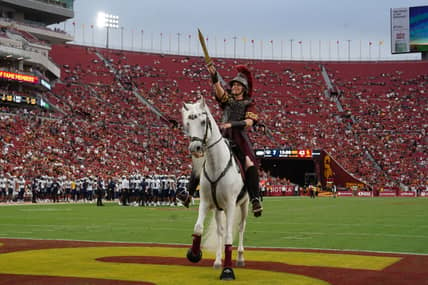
81	262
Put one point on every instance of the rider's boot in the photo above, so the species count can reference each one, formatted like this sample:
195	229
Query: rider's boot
252	183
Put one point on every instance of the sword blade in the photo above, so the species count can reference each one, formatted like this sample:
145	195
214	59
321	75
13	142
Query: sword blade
207	57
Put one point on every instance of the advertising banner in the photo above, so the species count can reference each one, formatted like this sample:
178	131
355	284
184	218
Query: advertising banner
18	77
407	194
281	190
344	194
400	30
387	194
409	29
364	194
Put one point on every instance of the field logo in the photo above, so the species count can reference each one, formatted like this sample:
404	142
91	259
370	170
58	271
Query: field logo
158	264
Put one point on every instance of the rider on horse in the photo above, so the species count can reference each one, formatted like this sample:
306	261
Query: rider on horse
239	113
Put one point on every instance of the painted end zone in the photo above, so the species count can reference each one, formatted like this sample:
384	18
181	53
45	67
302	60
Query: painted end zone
72	262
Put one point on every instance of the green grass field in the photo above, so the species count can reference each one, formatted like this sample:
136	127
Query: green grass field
373	224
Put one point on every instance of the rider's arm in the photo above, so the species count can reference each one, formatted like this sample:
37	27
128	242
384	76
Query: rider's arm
219	90
237	124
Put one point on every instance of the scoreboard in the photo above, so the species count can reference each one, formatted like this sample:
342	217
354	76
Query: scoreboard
18	99
25	100
286	153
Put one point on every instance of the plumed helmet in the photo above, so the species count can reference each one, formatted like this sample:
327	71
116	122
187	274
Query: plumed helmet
244	77
241	78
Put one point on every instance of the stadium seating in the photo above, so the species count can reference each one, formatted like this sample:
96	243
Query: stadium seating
387	102
103	125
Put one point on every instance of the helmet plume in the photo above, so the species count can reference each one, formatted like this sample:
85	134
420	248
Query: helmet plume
244	70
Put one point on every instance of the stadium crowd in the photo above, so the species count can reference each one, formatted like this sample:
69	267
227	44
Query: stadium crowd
116	113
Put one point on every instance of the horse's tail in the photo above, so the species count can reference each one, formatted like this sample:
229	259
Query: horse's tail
209	240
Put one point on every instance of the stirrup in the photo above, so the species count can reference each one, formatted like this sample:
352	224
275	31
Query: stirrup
257	207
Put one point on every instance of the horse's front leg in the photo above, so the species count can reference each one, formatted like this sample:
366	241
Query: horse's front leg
219	218
240	261
194	254
227	273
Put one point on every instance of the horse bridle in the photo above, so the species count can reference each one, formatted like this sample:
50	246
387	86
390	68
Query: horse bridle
213	182
208	126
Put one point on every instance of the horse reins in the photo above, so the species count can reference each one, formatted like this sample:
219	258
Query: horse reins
208	126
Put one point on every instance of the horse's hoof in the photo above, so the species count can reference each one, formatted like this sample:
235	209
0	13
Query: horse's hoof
227	274
217	265
194	258
240	263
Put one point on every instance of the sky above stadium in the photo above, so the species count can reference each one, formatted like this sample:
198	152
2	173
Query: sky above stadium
279	29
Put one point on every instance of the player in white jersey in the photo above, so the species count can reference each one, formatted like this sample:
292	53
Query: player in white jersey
90	189
172	190
155	186
21	188
133	189
3	189
66	186
124	194
10	186
164	189
142	191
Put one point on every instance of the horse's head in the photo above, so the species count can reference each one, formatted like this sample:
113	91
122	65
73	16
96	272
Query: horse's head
197	126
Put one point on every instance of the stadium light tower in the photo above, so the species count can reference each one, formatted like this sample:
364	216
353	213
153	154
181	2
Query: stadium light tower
107	21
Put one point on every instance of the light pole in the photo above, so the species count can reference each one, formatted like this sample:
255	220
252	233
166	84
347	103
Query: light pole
132	39
271	41
108	21
160	42
92	30
121	37
142	39
349	50
234	46
178	35
282	49
190	47
338	52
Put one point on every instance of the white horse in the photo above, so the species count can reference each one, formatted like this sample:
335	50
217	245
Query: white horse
222	186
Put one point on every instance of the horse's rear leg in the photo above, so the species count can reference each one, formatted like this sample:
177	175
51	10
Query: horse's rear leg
194	254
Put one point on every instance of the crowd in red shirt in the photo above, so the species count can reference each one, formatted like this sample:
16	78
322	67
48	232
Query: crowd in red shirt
119	113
